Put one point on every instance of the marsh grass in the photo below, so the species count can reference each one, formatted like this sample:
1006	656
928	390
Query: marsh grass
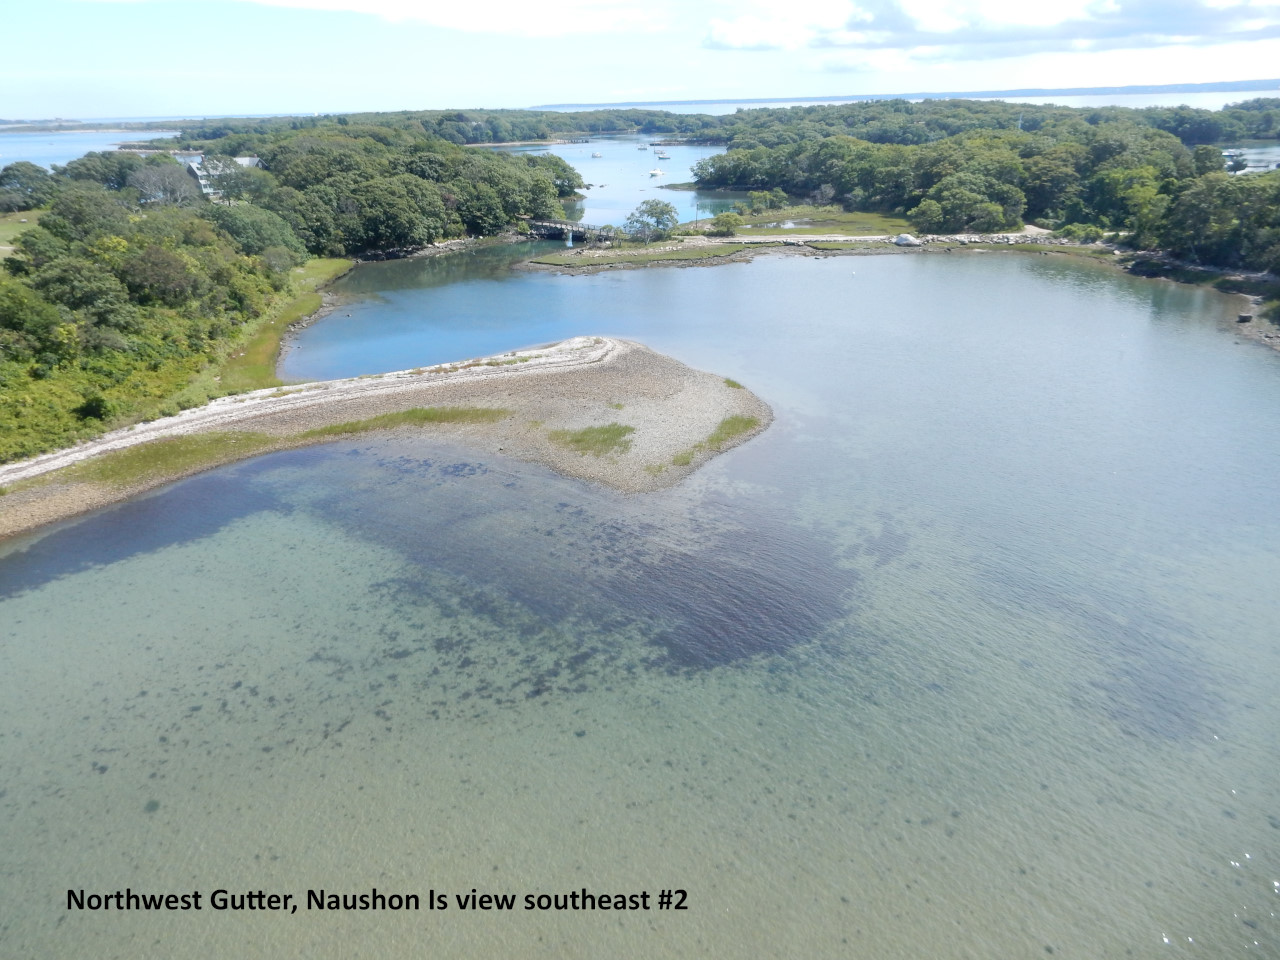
859	245
640	255
810	219
729	382
597	441
728	428
415	417
172	456
253	365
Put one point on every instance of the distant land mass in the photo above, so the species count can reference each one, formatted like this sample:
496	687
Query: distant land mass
1223	85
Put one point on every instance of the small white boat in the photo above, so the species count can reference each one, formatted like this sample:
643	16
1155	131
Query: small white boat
662	155
597	155
655	172
642	147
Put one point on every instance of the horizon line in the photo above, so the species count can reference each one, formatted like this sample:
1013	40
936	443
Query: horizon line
1225	86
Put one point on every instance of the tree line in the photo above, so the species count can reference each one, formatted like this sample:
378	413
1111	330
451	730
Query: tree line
970	166
133	280
876	121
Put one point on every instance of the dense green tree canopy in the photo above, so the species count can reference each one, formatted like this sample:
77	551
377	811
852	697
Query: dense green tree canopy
652	219
1111	169
24	186
253	229
133	280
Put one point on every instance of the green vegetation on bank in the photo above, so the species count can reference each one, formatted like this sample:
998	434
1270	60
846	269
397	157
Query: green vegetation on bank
110	315
416	417
729	428
254	367
597	441
168	457
953	166
135	296
726	430
807	218
129	295
637	253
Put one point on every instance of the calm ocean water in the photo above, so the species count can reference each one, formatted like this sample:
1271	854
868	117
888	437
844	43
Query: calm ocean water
627	171
972	654
61	147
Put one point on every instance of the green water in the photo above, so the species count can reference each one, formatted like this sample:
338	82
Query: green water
972	654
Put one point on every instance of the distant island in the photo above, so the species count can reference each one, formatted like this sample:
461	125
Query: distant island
1219	86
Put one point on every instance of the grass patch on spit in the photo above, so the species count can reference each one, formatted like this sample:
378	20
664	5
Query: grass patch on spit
171	456
415	417
851	245
597	441
183	455
631	254
729	428
728	382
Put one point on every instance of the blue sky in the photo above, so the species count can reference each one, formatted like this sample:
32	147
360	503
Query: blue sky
125	58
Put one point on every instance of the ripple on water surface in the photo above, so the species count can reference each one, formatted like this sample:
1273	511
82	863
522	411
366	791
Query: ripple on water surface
924	670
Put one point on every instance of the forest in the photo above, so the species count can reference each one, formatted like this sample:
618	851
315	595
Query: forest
1152	176
134	282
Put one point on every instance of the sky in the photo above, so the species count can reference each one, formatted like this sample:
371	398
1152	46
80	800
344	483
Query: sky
150	58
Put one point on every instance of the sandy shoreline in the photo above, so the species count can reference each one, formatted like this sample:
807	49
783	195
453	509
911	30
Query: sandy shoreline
584	382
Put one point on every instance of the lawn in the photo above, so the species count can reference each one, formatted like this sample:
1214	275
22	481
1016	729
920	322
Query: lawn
638	254
11	224
808	219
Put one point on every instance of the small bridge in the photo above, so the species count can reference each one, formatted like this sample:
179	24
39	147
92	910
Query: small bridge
563	229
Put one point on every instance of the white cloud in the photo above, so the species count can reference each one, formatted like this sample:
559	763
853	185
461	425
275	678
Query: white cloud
509	17
969	30
919	69
767	25
940	16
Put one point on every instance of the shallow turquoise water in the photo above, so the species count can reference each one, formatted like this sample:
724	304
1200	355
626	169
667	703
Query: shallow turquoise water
972	654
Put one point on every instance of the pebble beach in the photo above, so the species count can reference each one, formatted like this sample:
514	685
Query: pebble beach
568	386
